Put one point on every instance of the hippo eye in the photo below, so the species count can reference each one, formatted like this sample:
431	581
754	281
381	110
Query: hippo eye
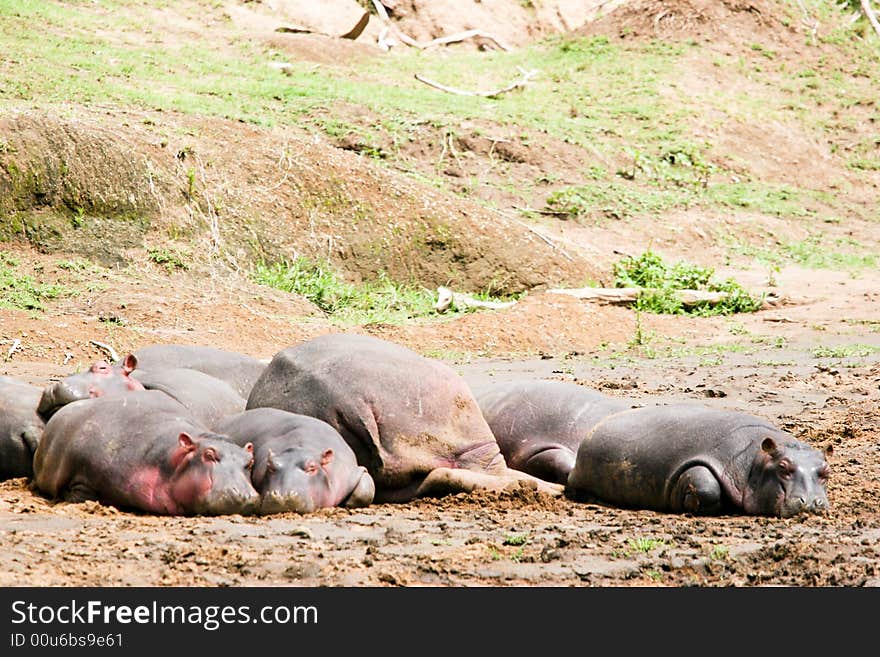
210	455
824	472
785	469
311	468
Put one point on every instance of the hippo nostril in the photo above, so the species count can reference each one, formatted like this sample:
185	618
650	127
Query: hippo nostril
802	502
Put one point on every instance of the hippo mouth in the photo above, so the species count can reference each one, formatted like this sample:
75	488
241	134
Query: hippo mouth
274	502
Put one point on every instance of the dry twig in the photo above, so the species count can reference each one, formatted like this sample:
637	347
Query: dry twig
446	298
110	351
872	17
526	76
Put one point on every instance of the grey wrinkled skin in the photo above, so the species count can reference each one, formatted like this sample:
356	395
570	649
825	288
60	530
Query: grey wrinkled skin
145	451
20	427
539	425
690	458
238	370
209	398
406	417
300	463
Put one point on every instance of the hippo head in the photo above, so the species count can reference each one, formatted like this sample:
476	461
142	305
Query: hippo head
100	379
302	481
212	476
787	479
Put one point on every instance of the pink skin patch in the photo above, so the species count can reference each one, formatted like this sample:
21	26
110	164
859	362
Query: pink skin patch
150	492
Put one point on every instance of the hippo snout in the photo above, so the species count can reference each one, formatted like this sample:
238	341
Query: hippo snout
231	500
803	504
276	502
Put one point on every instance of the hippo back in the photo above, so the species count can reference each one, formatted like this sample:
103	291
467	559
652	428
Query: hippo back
403	414
240	371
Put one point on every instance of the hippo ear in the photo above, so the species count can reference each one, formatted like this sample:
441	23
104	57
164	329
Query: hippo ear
186	442
326	457
130	364
249	448
769	446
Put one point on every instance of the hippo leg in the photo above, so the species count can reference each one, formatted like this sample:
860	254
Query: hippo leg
363	493
553	464
79	492
697	491
447	481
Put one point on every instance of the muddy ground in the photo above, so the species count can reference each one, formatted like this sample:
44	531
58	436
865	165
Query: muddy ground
811	364
764	363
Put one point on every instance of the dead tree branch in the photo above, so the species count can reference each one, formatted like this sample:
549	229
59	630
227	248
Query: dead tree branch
110	351
526	76
872	17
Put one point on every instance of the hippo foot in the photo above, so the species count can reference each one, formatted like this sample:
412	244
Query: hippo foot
363	493
448	481
697	491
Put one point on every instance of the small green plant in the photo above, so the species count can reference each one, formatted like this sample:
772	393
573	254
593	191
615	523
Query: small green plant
660	283
518	555
655	575
77	264
515	539
170	259
646	544
719	552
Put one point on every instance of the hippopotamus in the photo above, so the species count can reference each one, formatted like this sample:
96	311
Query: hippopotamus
411	421
691	458
143	451
300	463
209	398
539	424
238	370
100	379
20	427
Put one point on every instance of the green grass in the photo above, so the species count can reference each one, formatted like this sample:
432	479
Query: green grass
814	252
845	351
660	282
22	292
381	300
515	539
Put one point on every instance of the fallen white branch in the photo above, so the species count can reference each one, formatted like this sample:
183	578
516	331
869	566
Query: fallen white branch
16	346
526	76
872	17
446	299
439	41
67	358
110	351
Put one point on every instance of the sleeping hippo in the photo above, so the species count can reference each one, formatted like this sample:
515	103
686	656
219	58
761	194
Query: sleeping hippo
20	427
539	424
209	398
691	458
100	379
238	370
300	463
411	421
143	451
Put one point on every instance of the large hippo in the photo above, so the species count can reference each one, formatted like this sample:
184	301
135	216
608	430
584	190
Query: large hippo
20	427
238	370
300	463
100	379
209	398
411	421
691	458
143	451
539	425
